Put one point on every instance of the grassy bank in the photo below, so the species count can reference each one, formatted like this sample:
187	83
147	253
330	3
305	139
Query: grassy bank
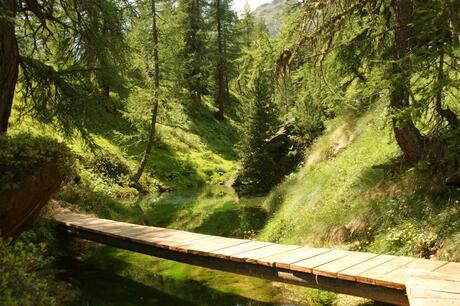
188	153
340	198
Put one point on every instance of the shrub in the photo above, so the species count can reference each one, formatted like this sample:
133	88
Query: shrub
23	155
20	281
111	166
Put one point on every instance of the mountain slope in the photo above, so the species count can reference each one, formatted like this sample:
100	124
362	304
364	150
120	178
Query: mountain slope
271	13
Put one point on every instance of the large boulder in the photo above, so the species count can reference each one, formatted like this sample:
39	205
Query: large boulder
31	170
20	207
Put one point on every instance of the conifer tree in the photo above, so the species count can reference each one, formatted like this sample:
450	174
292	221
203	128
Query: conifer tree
259	170
194	49
156	87
224	20
55	87
247	24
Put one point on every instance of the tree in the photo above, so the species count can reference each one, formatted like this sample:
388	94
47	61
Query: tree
357	35
224	20
221	62
156	87
9	60
247	23
407	135
194	49
55	87
259	169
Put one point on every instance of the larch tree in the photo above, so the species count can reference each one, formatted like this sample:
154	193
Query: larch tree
194	49
55	87
155	74
247	24
224	20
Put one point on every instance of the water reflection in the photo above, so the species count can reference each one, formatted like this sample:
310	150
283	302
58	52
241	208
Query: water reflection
108	276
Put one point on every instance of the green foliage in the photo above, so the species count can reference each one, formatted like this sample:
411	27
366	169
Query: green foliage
111	166
194	51
23	155
69	50
340	199
259	170
57	97
20	281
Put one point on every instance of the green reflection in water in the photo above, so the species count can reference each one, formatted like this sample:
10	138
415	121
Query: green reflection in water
108	276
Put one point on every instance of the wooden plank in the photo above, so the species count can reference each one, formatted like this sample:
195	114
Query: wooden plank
71	217
119	229
86	221
285	260
169	238
253	255
185	244
424	293
376	275
106	227
452	268
210	247
142	231
164	239
353	273
229	252
333	268
399	275
307	265
259	256
432	288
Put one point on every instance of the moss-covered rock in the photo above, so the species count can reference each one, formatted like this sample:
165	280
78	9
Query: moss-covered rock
32	169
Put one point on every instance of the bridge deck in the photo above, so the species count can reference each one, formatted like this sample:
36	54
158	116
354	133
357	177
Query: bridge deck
374	276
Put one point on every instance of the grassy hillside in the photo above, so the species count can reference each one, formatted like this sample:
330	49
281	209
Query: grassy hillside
339	198
187	154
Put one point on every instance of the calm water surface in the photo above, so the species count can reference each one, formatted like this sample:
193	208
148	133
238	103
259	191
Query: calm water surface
109	276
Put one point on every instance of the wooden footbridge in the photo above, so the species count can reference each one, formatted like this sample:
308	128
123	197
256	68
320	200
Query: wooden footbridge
385	278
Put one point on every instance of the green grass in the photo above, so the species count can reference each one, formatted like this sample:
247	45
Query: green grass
199	153
341	200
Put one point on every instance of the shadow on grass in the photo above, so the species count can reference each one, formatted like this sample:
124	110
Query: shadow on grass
164	163
238	222
219	137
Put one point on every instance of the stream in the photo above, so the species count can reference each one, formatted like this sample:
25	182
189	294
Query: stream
107	276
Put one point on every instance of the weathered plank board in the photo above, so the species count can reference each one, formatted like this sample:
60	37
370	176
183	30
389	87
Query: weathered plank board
333	268
432	288
399	275
285	260
379	277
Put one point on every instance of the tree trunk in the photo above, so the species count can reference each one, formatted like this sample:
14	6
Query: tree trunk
446	113
407	135
156	87
9	62
220	73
